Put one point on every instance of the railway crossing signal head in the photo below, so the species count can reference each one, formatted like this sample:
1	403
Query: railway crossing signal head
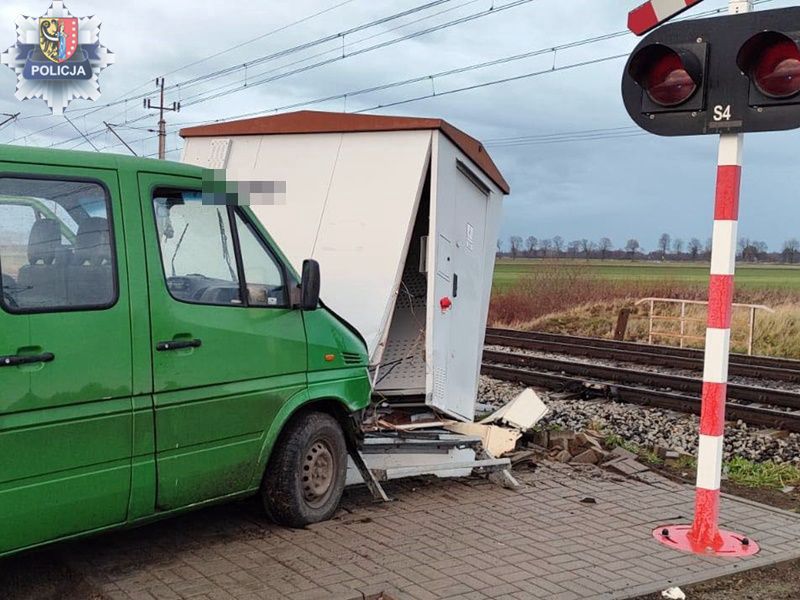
729	74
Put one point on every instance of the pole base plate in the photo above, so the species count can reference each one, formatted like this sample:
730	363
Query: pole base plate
730	544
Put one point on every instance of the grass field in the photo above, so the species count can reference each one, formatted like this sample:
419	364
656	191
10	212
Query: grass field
757	277
584	298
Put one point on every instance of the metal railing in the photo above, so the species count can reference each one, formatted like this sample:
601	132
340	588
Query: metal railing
683	320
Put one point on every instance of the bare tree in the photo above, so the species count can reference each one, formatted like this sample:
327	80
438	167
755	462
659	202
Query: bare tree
677	245
604	245
558	245
532	243
790	249
587	247
573	248
631	247
499	246
663	244
694	248
750	253
707	247
743	245
516	245
545	245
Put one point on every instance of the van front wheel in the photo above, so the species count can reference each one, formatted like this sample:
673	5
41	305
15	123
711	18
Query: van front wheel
306	474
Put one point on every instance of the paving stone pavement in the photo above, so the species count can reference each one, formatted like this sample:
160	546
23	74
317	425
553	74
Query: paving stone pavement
464	539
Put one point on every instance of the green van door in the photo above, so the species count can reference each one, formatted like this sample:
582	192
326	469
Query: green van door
228	350
65	354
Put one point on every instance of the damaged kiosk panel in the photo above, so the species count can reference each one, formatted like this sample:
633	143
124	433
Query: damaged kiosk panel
402	214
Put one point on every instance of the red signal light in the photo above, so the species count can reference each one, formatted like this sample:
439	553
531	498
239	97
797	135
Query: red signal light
667	81
669	76
772	62
777	70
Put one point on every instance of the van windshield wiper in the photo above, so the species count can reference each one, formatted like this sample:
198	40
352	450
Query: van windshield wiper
225	252
178	247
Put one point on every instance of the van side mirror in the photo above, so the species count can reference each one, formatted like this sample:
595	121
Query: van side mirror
309	286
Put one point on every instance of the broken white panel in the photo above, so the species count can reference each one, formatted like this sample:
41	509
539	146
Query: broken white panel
523	412
497	441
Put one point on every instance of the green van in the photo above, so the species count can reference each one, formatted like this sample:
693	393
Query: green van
158	353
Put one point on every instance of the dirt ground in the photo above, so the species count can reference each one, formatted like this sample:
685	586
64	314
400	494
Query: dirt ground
778	582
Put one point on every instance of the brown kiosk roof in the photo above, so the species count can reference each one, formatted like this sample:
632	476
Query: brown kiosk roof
311	121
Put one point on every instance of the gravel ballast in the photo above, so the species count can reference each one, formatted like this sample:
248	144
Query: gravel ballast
649	427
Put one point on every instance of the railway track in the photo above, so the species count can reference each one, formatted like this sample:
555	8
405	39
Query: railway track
742	365
758	406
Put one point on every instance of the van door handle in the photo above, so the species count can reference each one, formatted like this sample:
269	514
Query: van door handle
31	359
178	345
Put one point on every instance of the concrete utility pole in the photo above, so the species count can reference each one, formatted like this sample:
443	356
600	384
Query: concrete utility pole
162	124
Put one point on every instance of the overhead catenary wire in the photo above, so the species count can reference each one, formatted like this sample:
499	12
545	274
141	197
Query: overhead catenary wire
248	64
291	50
375	88
372	48
459	70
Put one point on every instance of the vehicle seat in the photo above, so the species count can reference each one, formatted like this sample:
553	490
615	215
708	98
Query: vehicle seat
42	281
90	278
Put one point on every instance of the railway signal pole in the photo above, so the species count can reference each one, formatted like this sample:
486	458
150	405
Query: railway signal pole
704	535
724	76
162	123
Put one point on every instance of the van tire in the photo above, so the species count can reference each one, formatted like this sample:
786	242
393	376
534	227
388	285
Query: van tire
305	477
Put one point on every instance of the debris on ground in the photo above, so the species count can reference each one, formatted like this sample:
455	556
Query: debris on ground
501	430
496	440
522	413
649	427
673	593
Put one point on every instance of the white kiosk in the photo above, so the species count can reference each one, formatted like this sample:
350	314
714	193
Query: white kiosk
402	214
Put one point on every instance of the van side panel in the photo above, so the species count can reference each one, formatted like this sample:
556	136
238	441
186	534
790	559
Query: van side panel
66	424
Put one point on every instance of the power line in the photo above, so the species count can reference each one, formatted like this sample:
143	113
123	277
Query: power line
249	64
467	18
459	21
341	50
495	82
433	76
83	135
259	38
119	137
377	88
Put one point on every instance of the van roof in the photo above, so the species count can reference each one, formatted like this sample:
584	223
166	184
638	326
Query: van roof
312	121
101	160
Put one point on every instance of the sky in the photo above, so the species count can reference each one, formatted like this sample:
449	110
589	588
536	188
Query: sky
618	183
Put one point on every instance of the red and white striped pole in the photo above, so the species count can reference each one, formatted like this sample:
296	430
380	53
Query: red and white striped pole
704	531
704	536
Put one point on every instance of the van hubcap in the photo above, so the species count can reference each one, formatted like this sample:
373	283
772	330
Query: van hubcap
317	473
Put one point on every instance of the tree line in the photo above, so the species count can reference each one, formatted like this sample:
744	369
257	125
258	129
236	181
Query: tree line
666	248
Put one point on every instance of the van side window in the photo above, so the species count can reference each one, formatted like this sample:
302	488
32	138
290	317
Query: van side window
56	250
263	275
196	249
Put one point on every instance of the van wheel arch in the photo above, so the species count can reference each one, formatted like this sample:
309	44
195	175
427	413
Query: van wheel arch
316	439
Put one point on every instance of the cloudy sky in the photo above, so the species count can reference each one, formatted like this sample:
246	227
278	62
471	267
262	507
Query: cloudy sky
614	182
